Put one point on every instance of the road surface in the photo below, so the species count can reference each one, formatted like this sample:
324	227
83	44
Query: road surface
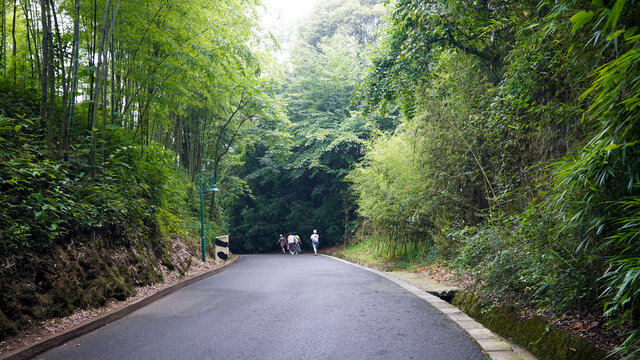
280	307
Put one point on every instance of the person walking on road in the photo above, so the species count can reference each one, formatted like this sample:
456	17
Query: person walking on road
298	248
291	241
315	238
282	242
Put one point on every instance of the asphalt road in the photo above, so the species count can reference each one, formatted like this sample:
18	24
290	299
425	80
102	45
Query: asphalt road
280	307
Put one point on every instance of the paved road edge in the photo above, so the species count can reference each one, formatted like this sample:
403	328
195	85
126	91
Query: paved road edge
493	345
59	339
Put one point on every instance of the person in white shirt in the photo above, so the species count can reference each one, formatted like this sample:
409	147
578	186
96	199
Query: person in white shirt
291	240
315	238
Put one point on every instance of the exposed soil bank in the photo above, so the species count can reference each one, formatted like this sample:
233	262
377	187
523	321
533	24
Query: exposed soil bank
85	274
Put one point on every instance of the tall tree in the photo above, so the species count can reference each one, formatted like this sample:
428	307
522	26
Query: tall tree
327	131
74	78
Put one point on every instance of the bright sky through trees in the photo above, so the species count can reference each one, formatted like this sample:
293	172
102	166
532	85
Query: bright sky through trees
279	17
285	12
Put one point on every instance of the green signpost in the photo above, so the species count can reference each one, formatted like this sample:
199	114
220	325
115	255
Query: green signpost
203	188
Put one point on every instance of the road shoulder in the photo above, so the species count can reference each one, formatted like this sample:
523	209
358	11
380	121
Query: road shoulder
58	339
493	345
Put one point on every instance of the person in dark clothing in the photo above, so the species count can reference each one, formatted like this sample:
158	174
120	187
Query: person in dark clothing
282	241
298	244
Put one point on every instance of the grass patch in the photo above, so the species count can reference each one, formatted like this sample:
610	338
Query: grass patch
371	253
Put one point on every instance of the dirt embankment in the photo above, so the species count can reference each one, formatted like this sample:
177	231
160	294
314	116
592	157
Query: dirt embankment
86	273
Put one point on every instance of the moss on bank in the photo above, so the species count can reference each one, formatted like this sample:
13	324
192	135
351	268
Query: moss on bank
536	334
84	274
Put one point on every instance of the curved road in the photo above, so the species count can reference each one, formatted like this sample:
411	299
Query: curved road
280	307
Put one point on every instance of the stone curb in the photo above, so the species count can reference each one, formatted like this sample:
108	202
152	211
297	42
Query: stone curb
59	339
492	345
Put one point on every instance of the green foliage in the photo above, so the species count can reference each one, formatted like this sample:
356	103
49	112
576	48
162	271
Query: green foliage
420	30
280	204
520	139
167	91
35	191
305	190
327	130
47	202
174	75
358	19
522	257
426	177
18	102
388	182
600	182
388	251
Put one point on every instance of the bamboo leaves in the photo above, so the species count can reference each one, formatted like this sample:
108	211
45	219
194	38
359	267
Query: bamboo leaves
580	19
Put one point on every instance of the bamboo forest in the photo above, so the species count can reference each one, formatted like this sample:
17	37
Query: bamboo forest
497	141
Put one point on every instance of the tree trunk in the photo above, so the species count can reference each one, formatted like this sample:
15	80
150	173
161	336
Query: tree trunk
3	37
28	31
186	151
195	146
44	78
98	85
219	154
52	85
74	77
103	130
178	137
212	206
92	73
36	52
347	212
113	84
15	44
63	78
52	79
132	59
106	67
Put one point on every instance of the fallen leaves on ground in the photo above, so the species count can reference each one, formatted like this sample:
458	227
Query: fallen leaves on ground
586	326
448	276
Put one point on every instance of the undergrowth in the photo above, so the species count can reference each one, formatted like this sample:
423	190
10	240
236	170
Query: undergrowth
74	235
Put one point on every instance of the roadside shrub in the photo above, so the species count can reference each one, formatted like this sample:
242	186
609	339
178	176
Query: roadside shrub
521	258
47	201
35	192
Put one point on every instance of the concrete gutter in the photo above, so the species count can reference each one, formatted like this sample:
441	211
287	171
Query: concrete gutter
494	346
427	284
62	338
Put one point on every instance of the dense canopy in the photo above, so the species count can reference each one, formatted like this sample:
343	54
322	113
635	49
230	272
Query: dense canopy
498	137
